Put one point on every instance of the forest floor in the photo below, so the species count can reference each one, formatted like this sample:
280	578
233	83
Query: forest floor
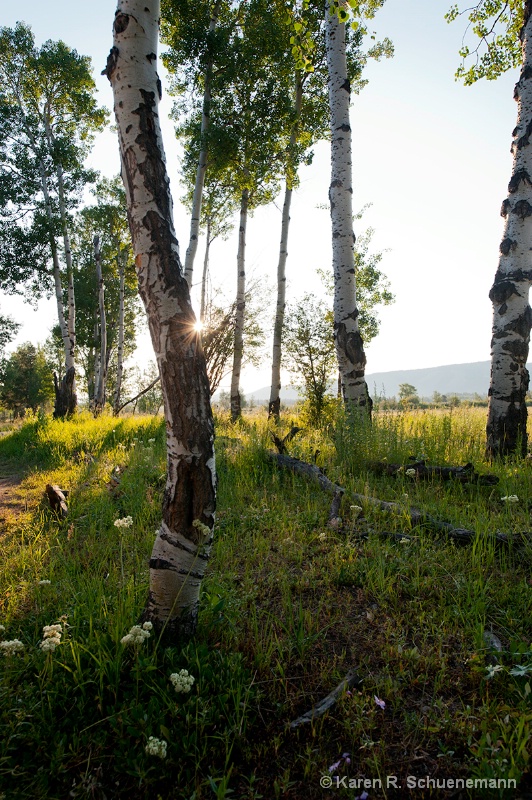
436	634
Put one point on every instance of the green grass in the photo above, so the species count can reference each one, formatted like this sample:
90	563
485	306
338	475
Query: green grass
288	608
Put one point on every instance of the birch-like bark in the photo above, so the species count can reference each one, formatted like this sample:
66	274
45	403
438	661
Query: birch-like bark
512	316
205	273
349	346
184	539
101	370
195	218
120	345
274	406
240	312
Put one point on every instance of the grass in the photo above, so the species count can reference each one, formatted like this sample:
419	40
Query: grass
289	606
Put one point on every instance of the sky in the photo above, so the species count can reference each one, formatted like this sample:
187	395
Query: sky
431	156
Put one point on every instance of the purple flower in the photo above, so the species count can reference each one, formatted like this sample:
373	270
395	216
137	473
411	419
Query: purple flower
335	766
379	702
346	758
363	796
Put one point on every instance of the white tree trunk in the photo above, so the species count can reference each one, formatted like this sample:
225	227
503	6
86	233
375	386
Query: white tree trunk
274	406
101	369
184	539
512	315
236	405
195	218
349	347
205	273
120	345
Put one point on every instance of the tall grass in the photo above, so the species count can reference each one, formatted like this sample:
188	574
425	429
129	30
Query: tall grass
289	606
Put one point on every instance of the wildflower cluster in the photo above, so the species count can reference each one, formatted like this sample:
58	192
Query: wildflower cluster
126	522
510	498
44	583
182	681
202	529
137	634
51	638
156	747
14	646
411	472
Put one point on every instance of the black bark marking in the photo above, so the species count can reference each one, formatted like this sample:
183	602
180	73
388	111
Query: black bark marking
503	309
161	563
506	245
346	85
516	275
524	140
121	22
506	207
501	291
521	176
345	128
351	344
112	59
152	56
128	128
522	209
159	88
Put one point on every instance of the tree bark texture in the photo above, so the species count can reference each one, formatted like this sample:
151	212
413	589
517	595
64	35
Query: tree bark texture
184	539
274	406
512	315
203	297
236	407
195	218
349	346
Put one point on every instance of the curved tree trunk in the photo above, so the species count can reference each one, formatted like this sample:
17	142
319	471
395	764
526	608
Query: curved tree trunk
348	341
184	539
236	405
120	345
512	315
195	218
274	406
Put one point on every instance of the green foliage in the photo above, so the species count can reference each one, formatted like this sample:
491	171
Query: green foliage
309	352
48	118
8	329
284	601
26	379
497	24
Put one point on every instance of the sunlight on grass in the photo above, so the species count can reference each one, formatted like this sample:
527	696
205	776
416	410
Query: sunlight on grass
289	606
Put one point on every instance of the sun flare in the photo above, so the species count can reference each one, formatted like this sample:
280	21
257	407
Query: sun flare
198	326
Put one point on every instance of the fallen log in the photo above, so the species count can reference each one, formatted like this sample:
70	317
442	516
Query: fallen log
416	516
57	499
465	474
351	679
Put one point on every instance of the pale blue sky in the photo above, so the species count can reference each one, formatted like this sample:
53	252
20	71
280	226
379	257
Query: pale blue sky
431	156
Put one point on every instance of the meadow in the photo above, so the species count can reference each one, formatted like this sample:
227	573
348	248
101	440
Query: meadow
438	633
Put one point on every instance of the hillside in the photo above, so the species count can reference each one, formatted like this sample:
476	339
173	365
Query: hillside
461	379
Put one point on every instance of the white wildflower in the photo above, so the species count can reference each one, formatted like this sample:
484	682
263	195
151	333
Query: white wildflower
51	637
204	530
125	522
356	511
2	628
151	440
137	634
492	669
411	472
14	646
44	583
511	498
322	536
182	681
156	747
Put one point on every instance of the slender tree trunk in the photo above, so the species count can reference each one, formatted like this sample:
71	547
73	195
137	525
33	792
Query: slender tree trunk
184	539
101	371
120	346
274	406
205	272
512	315
236	404
195	219
71	319
349	347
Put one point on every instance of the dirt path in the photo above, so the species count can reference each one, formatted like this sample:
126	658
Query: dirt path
12	500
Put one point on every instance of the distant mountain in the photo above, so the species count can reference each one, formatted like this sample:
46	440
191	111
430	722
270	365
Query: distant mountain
461	379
